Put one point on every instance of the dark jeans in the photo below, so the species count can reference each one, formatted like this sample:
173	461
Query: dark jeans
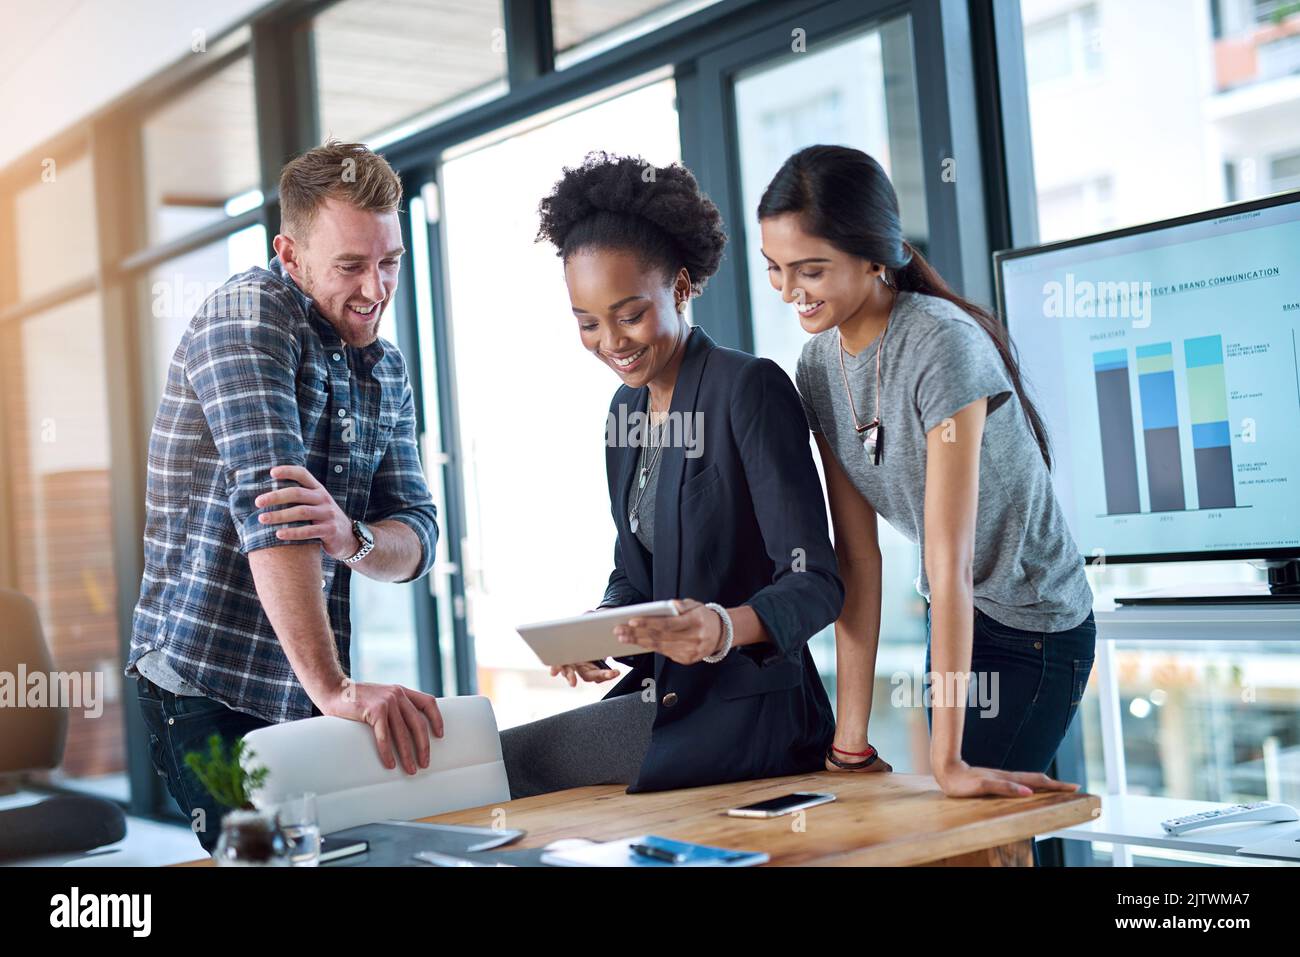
178	724
1034	680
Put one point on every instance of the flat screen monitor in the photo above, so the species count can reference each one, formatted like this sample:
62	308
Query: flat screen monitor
1164	361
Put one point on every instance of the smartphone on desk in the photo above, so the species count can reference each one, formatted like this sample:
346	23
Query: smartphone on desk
786	804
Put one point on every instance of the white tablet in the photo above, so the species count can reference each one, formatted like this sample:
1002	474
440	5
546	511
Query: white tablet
589	637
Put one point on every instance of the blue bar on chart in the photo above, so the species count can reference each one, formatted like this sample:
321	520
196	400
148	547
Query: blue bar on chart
1207	399
1115	417
1155	365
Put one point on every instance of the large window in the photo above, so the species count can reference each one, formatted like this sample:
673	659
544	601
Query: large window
531	401
56	457
57	453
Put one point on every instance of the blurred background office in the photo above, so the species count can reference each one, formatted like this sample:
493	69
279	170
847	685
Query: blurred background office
142	141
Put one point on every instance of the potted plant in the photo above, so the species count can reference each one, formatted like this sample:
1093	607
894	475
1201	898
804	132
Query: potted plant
249	837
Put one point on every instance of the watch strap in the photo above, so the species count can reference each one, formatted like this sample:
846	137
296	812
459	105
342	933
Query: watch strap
367	545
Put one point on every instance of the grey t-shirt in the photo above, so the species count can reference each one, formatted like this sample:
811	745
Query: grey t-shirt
1028	572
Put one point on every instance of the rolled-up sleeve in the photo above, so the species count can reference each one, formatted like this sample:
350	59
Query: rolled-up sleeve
806	593
241	362
399	490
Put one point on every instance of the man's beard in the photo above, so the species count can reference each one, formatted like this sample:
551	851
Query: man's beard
345	333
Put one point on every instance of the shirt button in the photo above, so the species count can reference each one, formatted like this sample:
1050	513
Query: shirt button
343	413
338	468
337	357
322	583
670	699
171	720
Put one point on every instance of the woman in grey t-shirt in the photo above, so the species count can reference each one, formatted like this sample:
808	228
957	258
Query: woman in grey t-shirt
915	398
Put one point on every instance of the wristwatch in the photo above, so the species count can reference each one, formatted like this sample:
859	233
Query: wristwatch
363	534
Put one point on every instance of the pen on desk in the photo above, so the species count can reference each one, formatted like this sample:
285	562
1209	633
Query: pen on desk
656	853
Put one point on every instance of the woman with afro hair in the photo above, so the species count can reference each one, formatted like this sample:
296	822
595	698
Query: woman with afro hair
717	506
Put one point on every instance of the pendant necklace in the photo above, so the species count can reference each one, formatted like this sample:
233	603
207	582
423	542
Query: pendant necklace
644	471
873	442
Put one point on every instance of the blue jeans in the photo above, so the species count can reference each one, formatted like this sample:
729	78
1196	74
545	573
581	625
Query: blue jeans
178	724
1032	684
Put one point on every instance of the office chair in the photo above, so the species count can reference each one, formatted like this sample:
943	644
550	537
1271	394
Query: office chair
32	739
336	759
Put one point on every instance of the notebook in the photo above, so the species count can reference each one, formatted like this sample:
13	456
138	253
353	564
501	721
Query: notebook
393	843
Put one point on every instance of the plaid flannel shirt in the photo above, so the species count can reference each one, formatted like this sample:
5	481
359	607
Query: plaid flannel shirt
259	379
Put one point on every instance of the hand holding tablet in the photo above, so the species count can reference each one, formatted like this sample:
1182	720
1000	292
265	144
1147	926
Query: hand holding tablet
590	637
593	671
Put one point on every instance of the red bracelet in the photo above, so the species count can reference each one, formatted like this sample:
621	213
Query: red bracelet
857	754
852	765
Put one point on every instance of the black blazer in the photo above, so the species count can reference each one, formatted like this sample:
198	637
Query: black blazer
743	521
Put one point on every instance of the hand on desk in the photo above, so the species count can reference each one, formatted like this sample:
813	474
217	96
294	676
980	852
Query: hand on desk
398	716
962	780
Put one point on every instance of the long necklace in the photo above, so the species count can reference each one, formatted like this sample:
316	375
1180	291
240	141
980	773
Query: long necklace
633	519
874	440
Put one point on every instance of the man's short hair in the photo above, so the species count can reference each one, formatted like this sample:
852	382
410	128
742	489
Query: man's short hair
349	172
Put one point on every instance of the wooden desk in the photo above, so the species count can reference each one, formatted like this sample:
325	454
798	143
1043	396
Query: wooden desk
877	819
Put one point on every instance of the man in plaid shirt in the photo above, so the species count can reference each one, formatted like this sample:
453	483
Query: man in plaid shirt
283	456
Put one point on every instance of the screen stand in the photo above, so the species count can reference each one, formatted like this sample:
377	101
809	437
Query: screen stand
1283	585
